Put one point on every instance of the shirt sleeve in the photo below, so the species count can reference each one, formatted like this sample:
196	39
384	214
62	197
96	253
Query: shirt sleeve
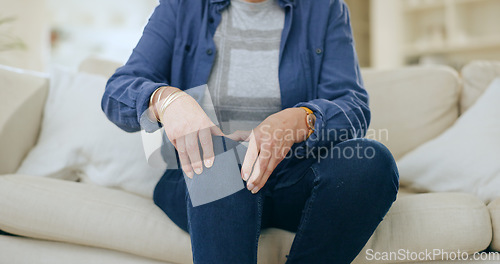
126	97
341	110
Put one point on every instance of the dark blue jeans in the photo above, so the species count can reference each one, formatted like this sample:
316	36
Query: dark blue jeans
334	204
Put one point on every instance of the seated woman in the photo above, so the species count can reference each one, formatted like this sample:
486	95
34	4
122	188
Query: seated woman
287	71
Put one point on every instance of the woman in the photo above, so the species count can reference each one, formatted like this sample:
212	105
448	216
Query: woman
289	68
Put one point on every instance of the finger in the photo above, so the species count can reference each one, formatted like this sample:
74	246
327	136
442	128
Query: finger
250	157
234	136
256	171
207	146
240	135
216	131
279	150
183	157
259	168
265	175
279	155
193	151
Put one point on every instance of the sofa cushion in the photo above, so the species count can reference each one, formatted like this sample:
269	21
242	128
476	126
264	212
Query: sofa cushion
465	157
47	252
91	215
477	76
18	250
471	260
420	222
22	96
411	105
494	208
97	216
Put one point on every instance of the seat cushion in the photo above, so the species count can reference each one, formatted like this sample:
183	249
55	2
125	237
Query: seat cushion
90	215
477	76
15	249
494	260
494	208
411	105
420	222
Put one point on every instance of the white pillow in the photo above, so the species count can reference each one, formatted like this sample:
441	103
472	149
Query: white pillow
77	140
465	158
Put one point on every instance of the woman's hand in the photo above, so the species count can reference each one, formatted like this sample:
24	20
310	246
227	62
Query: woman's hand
186	124
269	144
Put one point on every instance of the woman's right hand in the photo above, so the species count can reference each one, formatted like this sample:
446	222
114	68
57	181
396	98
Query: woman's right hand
186	124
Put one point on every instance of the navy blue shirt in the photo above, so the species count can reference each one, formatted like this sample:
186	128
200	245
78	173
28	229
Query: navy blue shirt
318	66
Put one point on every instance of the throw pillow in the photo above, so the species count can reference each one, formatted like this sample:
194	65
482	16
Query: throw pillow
77	140
465	158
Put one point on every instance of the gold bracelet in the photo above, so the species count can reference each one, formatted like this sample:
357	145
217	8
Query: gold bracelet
155	110
153	105
160	95
169	100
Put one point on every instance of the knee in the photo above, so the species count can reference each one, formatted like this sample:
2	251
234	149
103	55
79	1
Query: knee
367	164
160	196
170	198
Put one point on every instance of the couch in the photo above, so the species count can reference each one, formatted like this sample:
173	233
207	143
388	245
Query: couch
60	221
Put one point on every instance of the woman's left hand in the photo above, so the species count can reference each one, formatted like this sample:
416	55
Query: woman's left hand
269	144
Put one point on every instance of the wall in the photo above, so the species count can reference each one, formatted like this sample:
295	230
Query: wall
386	26
108	29
31	27
360	22
449	32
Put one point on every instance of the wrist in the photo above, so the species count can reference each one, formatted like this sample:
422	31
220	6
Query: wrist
308	122
297	123
155	100
167	101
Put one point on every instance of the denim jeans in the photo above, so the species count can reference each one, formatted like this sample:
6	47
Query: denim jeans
333	203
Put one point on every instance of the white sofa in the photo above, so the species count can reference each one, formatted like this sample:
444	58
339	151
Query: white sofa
72	222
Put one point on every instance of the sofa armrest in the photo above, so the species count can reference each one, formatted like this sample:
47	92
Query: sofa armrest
22	98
